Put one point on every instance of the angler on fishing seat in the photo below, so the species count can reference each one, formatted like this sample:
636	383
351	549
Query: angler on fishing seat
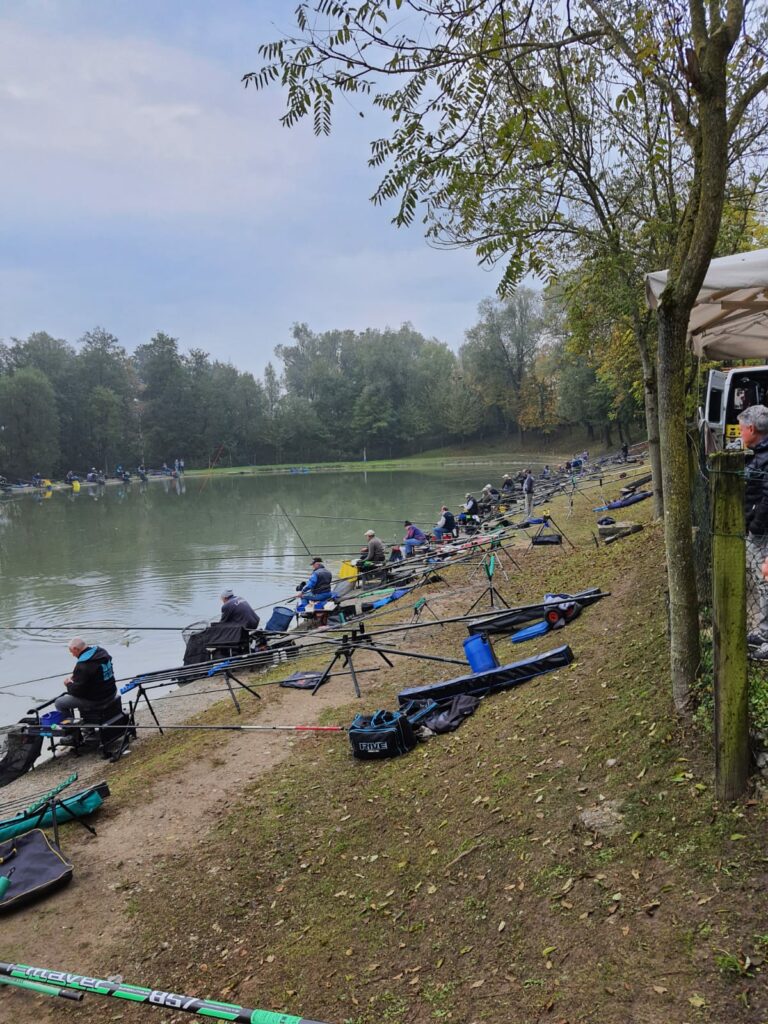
92	683
318	586
414	538
237	612
446	524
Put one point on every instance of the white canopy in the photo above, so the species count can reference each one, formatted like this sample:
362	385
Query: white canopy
730	318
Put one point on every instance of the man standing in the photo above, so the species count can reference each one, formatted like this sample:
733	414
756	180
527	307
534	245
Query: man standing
92	682
528	493
237	612
753	427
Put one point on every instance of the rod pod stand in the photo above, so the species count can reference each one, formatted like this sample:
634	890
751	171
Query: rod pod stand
350	642
489	564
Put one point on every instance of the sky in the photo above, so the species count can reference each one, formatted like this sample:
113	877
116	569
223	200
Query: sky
143	189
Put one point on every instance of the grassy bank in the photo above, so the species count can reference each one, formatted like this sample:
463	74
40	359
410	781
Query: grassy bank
459	883
491	452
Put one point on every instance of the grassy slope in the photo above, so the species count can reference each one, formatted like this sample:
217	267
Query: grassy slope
455	883
557	448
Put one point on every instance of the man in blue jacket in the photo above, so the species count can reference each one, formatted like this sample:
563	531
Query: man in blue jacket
753	427
319	583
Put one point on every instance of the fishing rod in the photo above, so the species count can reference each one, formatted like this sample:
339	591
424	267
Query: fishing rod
213	728
42	989
295	530
209	1009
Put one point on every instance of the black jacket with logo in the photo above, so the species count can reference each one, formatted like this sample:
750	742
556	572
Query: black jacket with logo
93	677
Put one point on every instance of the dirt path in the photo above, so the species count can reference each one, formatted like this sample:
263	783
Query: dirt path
71	927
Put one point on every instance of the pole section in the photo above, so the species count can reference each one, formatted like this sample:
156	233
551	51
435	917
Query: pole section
729	625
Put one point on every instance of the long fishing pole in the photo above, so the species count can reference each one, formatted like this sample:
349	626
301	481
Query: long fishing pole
207	1008
293	526
42	989
214	728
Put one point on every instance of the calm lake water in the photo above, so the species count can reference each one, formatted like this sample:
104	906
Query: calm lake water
110	560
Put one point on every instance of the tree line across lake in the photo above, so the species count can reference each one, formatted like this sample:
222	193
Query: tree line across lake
386	392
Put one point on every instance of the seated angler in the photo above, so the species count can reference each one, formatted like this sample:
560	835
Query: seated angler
507	485
490	497
372	555
471	506
446	524
414	538
92	683
318	586
237	612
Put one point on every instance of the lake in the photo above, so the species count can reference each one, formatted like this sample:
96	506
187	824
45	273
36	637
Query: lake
112	560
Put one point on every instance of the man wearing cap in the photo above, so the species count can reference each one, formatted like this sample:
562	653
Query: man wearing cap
414	538
374	553
237	612
470	506
319	583
507	485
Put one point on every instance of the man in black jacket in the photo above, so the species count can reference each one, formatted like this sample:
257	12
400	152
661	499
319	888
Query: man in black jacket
92	682
237	612
753	427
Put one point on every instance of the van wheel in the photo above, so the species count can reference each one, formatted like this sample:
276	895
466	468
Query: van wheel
19	750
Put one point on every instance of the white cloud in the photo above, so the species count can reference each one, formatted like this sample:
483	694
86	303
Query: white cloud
113	126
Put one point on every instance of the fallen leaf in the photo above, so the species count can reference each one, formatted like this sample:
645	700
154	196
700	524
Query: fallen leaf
547	950
660	989
737	835
697	1001
477	984
502	926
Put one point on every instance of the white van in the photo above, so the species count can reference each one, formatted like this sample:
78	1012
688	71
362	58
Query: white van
730	392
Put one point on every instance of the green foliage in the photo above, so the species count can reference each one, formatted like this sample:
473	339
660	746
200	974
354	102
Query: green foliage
29	422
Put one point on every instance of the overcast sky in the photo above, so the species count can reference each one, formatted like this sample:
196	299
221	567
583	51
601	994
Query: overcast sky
143	189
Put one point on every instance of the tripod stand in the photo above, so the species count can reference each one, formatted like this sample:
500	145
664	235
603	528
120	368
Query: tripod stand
348	644
548	532
489	564
358	639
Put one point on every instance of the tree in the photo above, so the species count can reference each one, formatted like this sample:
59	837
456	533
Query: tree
499	352
29	423
509	129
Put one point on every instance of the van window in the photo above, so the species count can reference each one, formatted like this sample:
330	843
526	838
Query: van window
747	389
715	409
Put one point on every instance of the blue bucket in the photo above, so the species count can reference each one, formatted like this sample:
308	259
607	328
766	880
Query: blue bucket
51	719
280	619
479	653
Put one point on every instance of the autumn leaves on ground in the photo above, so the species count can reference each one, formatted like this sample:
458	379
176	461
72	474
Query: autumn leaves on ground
458	883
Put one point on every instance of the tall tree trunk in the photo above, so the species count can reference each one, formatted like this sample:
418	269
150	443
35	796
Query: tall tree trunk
651	404
642	330
683	602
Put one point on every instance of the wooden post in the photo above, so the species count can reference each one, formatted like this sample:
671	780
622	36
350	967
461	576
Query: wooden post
729	625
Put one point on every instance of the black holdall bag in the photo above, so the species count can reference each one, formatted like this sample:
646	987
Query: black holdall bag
382	734
34	865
